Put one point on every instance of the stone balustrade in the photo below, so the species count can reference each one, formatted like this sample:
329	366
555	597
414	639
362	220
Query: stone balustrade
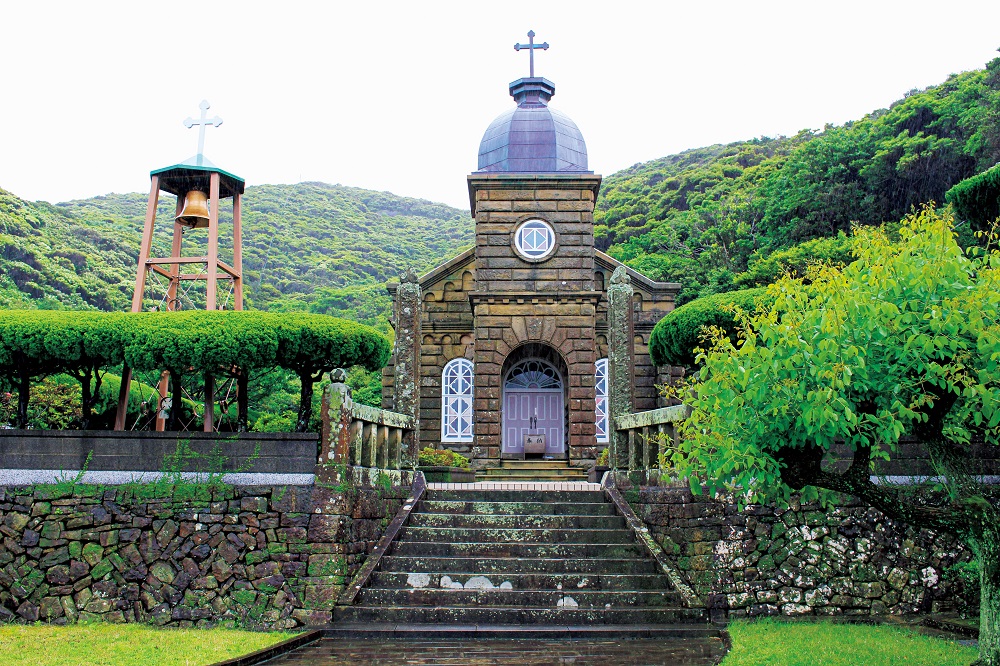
643	434
362	436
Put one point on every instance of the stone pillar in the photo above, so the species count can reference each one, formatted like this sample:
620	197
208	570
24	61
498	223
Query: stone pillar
406	372
619	363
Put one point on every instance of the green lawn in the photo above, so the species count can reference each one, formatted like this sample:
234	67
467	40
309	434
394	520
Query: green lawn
125	645
776	643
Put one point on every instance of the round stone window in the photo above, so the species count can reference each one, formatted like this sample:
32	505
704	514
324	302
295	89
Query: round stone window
534	240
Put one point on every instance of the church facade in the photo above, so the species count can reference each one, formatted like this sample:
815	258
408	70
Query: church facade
510	340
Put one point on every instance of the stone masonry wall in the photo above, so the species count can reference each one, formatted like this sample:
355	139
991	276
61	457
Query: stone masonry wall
851	560
267	557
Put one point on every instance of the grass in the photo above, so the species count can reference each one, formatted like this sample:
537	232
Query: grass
777	643
125	645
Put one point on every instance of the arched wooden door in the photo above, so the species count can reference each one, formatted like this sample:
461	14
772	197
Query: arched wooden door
533	405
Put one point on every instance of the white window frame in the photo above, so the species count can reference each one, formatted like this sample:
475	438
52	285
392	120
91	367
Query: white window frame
538	229
601	403
457	385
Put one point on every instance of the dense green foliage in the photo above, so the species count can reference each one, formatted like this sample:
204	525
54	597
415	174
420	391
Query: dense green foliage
705	216
429	457
977	199
775	643
905	341
675	338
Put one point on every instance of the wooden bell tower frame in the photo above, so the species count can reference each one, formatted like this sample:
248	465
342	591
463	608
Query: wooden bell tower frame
196	173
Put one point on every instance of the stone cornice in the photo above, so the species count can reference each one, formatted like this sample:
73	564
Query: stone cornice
531	181
505	297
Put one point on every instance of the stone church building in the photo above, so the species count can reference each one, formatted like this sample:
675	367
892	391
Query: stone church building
508	341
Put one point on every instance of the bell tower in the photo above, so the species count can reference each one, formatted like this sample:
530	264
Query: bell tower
534	303
172	283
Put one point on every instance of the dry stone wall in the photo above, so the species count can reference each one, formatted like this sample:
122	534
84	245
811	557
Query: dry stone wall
261	556
851	560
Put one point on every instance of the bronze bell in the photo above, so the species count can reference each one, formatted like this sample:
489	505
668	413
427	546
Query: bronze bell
195	211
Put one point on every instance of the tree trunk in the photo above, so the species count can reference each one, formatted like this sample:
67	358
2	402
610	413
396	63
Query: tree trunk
23	395
987	550
305	402
86	399
242	403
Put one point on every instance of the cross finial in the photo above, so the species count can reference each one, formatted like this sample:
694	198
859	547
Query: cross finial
202	123
531	46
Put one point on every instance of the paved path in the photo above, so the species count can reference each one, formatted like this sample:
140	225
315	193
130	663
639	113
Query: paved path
623	652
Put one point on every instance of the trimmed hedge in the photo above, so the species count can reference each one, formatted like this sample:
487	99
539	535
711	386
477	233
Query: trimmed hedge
977	199
675	336
36	343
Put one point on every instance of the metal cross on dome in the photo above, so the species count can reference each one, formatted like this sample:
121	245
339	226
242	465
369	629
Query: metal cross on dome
202	123
531	46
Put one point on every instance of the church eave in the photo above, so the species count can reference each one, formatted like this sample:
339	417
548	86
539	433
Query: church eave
436	274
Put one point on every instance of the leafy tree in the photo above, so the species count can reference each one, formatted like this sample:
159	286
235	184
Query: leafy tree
310	345
905	341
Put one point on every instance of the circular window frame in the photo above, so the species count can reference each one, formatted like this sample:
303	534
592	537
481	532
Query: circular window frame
520	253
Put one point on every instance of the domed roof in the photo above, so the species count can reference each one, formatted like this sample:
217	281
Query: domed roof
533	137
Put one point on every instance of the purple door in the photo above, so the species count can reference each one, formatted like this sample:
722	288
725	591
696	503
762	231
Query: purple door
533	405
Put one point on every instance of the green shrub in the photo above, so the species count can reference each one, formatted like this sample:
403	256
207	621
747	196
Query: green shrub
676	336
441	458
602	457
977	199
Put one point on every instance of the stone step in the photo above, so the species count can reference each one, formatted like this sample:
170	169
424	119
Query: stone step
501	495
534	521
602	599
525	565
550	471
533	477
530	581
516	508
534	550
466	632
533	464
517	615
502	535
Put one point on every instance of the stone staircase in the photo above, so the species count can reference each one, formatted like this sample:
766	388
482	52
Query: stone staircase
512	557
532	470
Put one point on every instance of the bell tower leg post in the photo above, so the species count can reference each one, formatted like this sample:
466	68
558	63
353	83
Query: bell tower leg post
147	244
213	244
238	251
140	287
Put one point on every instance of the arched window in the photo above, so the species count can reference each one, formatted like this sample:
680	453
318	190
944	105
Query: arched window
456	401
601	389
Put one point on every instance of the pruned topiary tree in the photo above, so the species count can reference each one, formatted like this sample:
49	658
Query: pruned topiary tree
35	343
311	344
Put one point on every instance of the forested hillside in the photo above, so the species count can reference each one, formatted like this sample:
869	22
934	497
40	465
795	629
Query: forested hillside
714	218
311	246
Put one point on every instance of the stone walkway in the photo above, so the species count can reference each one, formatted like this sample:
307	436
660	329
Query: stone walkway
625	652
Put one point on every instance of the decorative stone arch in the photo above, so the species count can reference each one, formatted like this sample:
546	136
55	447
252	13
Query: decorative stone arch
534	383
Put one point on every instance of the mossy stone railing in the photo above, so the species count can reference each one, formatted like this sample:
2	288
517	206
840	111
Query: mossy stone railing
361	436
646	434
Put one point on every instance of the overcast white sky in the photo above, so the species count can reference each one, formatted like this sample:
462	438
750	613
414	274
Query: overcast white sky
396	95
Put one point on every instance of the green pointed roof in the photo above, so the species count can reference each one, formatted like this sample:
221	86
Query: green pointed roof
193	174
